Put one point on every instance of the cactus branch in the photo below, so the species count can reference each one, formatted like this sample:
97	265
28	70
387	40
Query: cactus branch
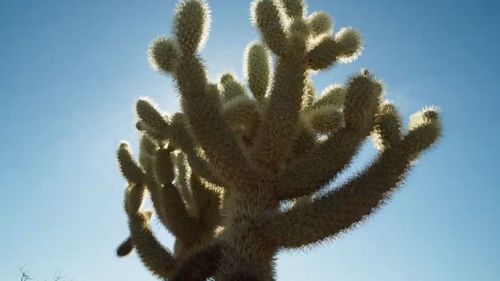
353	202
207	203
182	139
275	138
258	69
129	168
125	248
168	202
267	17
317	168
200	103
157	258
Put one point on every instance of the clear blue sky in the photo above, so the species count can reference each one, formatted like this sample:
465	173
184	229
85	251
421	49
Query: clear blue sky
70	72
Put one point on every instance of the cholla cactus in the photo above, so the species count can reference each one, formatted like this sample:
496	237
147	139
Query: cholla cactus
218	174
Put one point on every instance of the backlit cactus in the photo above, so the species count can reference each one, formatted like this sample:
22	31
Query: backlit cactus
219	173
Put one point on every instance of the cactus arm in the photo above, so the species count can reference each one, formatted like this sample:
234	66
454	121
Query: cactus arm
314	170
333	95
147	152
157	259
163	54
201	104
257	69
201	166
349	44
309	94
388	127
323	54
344	46
341	208
231	88
179	222
182	179
160	128
199	100
294	8
324	120
318	167
207	204
320	23
182	138
168	201
153	121
125	247
241	111
268	19
275	138
128	166
191	25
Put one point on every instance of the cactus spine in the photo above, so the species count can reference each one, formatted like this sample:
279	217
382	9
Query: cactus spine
219	172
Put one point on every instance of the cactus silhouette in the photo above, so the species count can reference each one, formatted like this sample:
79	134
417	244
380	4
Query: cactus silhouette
220	172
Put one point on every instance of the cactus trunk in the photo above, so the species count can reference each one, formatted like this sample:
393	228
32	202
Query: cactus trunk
247	248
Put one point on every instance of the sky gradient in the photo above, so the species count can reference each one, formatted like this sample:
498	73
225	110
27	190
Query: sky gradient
70	72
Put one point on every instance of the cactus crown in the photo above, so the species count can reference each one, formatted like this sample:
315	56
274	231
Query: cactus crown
219	172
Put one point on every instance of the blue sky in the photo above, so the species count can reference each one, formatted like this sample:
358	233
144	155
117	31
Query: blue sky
70	72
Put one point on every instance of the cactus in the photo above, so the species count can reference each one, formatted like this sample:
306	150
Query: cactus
219	173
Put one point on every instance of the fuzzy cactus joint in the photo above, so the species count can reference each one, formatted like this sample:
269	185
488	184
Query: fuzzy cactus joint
220	172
